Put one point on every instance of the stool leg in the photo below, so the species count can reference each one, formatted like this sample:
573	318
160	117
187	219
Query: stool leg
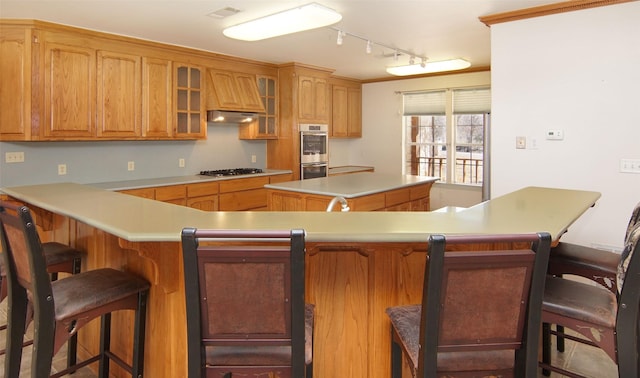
559	338
546	347
137	365
72	343
396	360
16	320
105	345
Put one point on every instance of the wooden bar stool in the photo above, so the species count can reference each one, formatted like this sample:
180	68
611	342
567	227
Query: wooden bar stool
246	315
62	307
60	258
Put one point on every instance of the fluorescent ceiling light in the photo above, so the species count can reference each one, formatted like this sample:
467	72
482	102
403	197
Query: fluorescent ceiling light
306	17
429	67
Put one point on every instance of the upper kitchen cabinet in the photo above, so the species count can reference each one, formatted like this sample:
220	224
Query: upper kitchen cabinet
157	94
233	91
69	88
15	79
266	127
119	78
313	97
63	83
190	101
346	109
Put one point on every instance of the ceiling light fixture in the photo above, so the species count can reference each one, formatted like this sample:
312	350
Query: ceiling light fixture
429	67
396	52
305	17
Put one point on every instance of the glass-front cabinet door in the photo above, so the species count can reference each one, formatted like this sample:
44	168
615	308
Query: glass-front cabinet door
190	109
266	126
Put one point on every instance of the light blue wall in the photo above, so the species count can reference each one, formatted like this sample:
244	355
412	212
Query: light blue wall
91	162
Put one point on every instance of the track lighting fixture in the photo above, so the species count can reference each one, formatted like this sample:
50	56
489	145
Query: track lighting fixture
411	68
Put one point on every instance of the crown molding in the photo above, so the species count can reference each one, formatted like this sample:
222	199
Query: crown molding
545	10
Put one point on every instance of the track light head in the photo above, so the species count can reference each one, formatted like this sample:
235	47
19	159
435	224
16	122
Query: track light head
340	37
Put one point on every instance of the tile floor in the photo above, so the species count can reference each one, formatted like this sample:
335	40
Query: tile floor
585	360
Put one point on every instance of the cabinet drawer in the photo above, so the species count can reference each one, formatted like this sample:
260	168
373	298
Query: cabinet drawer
281	178
143	192
203	189
174	192
236	185
419	191
396	197
244	200
369	203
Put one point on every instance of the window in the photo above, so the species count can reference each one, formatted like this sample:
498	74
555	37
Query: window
444	134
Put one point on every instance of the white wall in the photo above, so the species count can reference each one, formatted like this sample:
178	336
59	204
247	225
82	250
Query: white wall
578	72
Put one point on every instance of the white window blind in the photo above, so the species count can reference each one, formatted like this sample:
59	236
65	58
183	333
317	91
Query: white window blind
472	101
425	103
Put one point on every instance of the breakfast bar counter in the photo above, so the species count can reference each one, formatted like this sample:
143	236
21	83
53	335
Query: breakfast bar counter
358	263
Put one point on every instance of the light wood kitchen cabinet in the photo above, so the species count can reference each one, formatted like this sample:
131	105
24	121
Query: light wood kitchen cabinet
175	194
119	78
157	90
346	109
62	83
15	76
149	193
412	198
266	127
233	91
313	98
69	90
203	196
243	194
189	101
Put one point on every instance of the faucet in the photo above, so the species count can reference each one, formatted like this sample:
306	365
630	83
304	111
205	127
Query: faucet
336	199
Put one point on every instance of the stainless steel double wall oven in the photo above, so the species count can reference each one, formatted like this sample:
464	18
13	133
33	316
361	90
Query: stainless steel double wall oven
314	150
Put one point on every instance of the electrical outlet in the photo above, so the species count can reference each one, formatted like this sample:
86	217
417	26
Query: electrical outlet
181	163
62	169
14	157
630	165
131	166
253	158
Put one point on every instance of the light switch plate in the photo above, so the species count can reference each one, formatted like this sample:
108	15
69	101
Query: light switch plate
521	142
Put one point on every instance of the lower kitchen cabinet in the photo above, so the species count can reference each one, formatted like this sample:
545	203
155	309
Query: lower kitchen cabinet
243	194
203	196
226	195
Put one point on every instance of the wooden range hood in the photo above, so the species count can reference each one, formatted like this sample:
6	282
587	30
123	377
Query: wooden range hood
232	92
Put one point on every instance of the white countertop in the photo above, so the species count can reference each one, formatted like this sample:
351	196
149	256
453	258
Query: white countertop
177	180
136	219
352	185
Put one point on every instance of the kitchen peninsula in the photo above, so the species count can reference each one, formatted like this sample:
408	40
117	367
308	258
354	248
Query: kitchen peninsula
358	263
366	191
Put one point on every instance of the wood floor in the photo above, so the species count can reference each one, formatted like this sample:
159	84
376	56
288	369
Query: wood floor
591	362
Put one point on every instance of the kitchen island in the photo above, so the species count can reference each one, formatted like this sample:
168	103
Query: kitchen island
365	191
358	263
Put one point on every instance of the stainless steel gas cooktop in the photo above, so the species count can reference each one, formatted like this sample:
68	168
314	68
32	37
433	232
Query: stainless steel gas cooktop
231	172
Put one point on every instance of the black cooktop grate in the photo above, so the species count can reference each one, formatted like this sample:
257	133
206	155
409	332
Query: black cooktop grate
231	172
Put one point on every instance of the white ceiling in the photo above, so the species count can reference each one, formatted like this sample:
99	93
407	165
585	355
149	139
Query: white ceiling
437	29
